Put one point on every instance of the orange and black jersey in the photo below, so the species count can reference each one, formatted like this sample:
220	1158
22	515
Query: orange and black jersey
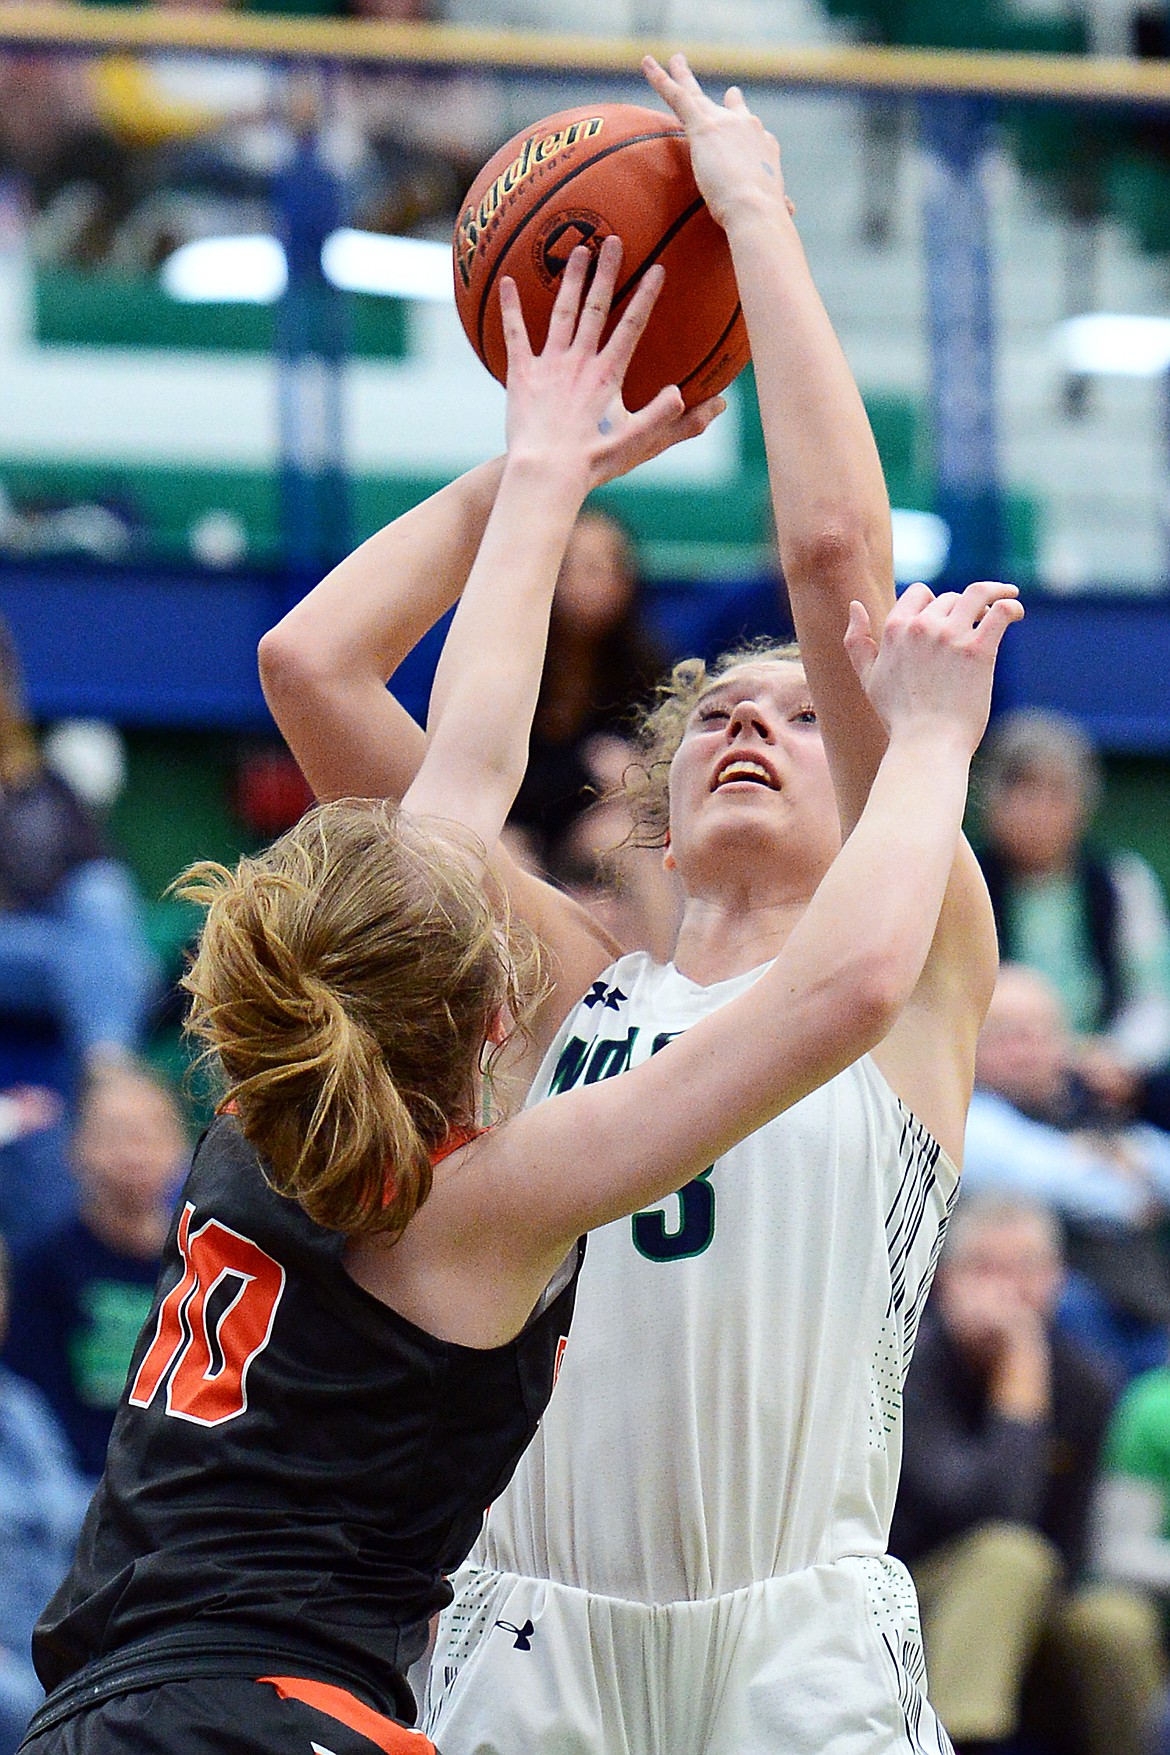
294	1467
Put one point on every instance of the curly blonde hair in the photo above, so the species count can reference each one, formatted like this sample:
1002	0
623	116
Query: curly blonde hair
646	782
345	981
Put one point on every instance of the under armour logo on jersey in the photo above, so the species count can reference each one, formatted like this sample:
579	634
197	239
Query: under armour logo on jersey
600	994
523	1634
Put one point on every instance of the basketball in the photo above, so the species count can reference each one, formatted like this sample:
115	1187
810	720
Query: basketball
572	179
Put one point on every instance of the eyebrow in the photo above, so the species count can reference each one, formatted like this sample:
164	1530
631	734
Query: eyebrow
726	686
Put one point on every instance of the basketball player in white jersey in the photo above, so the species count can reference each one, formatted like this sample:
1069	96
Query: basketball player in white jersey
691	1557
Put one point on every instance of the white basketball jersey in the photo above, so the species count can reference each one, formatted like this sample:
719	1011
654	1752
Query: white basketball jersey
729	1401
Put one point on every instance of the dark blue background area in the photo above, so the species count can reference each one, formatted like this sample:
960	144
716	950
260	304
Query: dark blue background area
152	647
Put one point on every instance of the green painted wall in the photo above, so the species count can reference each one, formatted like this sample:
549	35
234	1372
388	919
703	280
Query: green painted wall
1136	811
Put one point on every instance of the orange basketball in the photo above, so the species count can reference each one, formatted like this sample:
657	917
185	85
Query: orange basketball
573	179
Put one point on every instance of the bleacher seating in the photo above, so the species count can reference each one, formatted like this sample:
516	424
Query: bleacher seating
683	530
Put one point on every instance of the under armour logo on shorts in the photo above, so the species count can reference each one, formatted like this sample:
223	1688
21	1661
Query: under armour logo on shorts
523	1634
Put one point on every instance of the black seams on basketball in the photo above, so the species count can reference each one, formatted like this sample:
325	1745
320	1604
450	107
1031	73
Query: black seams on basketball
573	179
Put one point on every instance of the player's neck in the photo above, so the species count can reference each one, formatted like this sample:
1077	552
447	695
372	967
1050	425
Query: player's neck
717	941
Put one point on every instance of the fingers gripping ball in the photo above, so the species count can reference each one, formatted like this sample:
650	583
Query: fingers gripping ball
573	179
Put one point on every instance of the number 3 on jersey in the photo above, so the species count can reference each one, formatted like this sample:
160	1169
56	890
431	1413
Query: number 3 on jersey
695	1229
204	1344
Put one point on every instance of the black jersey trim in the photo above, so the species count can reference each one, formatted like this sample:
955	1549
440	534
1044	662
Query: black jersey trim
149	1664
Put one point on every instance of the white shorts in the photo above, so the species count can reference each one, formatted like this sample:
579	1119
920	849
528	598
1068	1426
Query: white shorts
828	1659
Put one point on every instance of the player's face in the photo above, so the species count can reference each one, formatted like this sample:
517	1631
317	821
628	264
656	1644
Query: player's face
129	1146
1024	1050
1005	1266
750	781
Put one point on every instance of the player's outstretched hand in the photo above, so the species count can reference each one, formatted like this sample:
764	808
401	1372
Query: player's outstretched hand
564	404
936	657
735	160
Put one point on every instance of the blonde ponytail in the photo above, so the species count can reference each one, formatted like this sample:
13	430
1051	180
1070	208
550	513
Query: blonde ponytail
345	981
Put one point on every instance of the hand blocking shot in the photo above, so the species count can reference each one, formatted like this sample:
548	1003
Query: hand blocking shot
369	1284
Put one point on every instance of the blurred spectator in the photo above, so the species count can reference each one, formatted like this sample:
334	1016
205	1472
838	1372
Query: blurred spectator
1093	922
71	941
91	756
1004	1423
427	135
54	524
1133	1522
1036	1129
1150	33
85	1290
203	135
81	1295
42	1502
270	793
601	662
1133	1507
731	21
36	1190
1110	26
76	174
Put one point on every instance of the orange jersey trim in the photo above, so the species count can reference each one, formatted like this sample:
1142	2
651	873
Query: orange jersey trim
348	1710
458	1136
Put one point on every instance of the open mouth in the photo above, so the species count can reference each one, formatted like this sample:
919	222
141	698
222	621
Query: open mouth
745	770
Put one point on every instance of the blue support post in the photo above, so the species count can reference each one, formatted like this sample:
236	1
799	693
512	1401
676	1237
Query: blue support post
312	343
955	134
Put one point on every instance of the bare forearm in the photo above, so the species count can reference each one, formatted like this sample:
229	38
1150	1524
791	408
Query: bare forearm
484	693
828	489
373	608
828	493
893	870
324	668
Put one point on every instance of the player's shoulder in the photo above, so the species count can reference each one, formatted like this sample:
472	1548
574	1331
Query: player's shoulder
228	1187
649	983
633	976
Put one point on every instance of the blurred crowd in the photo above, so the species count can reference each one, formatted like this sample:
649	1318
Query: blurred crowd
123	157
1034	1510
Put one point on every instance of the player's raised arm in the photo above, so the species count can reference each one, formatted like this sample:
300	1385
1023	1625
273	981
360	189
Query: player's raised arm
560	423
833	524
828	492
326	665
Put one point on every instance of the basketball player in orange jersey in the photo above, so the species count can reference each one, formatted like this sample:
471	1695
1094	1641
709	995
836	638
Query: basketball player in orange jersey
691	1558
